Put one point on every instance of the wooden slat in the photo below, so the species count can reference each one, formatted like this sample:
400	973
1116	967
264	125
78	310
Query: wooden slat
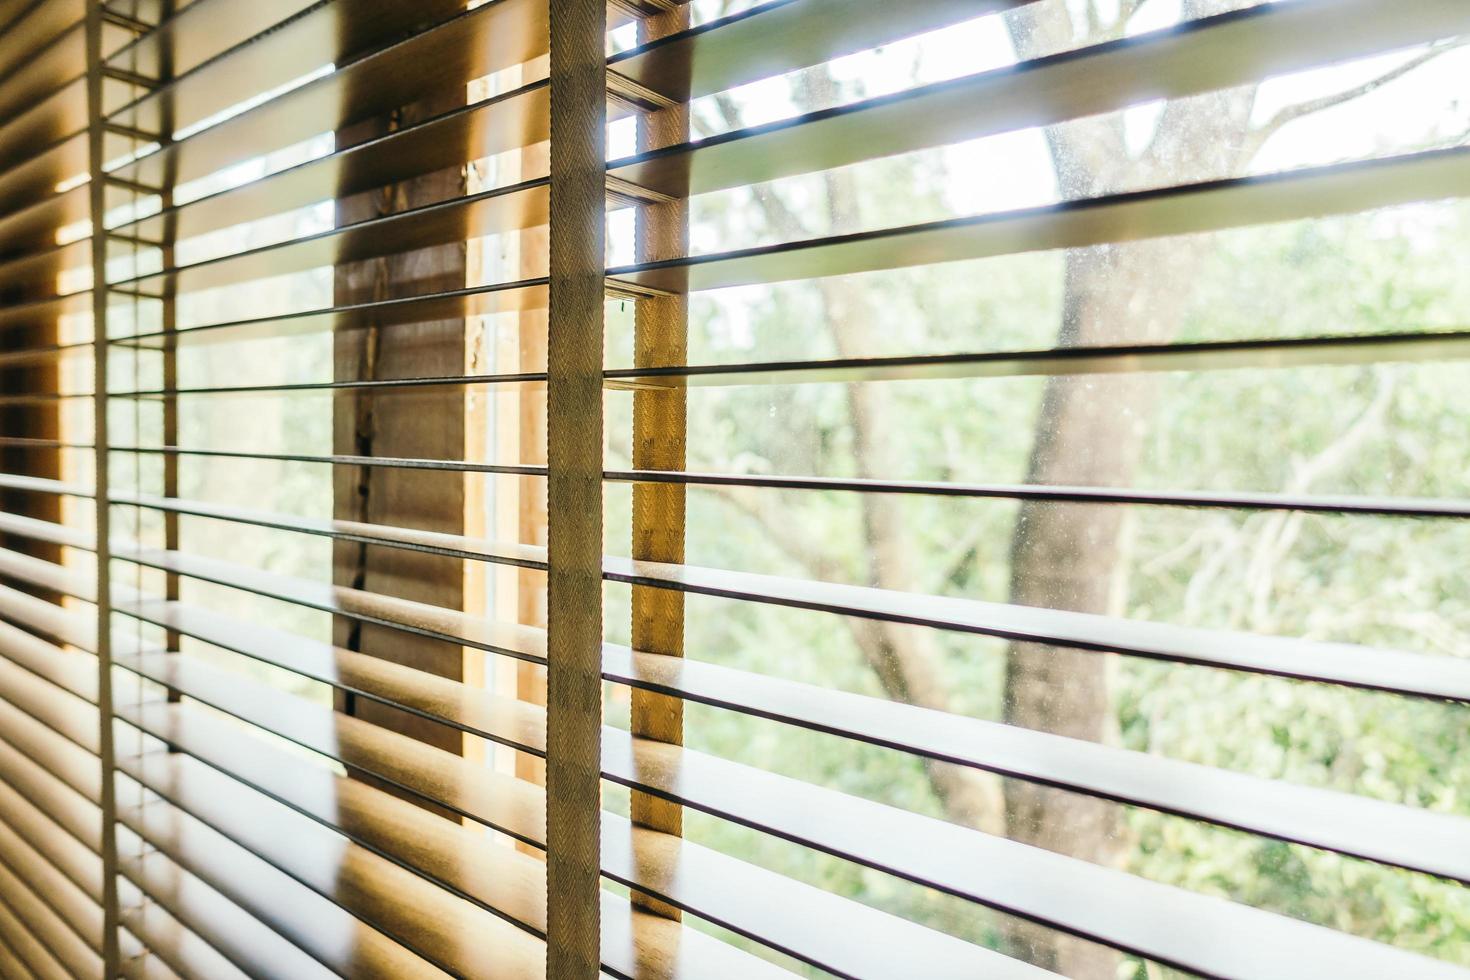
459	938
330	935
43	834
78	912
411	539
27	947
1212	53
74	957
1190	931
490	877
415	617
194	927
772	39
64	713
1404	836
24	185
65	760
457	220
472	44
1420	675
46	575
1210	206
62	803
517	118
768	907
70	625
60	61
38	484
48	122
73	671
471	301
33	28
1343	504
1232	355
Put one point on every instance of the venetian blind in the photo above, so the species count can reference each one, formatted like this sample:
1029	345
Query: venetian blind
371	592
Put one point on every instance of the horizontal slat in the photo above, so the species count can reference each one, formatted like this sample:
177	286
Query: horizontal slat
36	225
37	484
61	60
20	937
533	381
1395	671
409	539
493	799
1243	499
1193	932
330	935
212	56
211	934
42	921
1190	209
70	670
385	462
197	33
47	575
1420	675
515	119
78	912
39	274
506	209
480	549
460	939
835	934
514	723
72	626
38	25
68	762
51	120
1399	672
81	866
491	877
28	442
42	355
413	617
1235	48
47	531
65	714
24	185
472	301
772	39
1272	353
72	811
468	46
1127	359
1404	836
767	907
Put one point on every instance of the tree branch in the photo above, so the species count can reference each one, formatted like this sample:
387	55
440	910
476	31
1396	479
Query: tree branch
1299	110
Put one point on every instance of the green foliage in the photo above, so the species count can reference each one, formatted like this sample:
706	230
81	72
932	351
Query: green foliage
1389	429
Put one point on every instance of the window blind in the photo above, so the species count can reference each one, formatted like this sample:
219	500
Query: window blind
393	393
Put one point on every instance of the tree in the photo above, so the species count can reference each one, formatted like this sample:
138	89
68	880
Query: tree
1062	556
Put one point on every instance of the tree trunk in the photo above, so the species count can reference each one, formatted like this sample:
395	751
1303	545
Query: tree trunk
1090	431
